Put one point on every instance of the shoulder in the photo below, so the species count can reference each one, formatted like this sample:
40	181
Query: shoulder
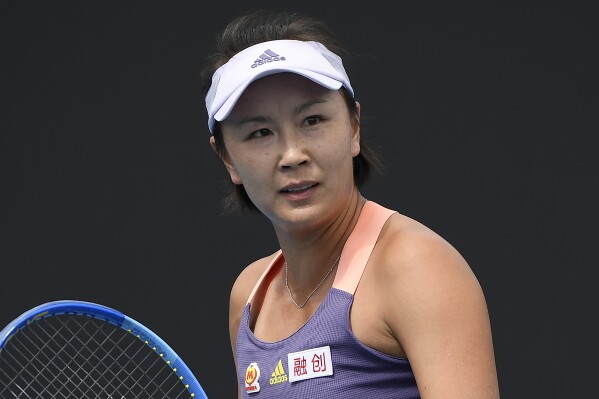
242	288
410	252
424	275
432	307
247	279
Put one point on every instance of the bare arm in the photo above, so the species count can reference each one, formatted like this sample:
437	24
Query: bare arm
239	295
437	312
236	304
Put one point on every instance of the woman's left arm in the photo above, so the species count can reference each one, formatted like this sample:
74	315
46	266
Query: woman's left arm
437	312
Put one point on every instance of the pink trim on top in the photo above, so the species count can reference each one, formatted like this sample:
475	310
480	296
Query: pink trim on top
356	252
277	257
359	246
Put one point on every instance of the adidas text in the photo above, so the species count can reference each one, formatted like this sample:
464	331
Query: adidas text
267	56
278	379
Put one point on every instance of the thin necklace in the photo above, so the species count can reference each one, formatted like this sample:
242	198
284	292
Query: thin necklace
315	289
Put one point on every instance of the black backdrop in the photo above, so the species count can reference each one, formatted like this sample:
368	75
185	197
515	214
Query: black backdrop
485	116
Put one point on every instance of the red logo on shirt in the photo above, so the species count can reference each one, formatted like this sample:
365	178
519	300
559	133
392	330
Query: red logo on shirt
252	374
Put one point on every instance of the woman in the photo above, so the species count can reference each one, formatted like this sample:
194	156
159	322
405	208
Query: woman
360	301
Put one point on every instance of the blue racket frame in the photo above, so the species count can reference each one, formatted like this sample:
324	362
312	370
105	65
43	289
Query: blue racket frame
112	316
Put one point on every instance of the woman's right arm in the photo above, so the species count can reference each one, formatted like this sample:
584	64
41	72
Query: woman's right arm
236	304
242	288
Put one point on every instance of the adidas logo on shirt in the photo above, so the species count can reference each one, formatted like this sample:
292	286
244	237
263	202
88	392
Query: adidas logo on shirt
278	376
267	56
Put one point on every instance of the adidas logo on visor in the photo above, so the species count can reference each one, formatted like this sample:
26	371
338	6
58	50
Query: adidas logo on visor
267	56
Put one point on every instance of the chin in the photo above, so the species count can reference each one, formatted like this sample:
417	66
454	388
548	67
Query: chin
300	218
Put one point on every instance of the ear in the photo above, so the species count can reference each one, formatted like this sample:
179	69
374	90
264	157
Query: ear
235	178
355	138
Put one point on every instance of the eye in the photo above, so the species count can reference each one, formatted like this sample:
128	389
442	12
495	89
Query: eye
260	133
312	120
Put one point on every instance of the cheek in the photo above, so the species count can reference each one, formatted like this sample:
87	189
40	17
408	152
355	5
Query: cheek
250	168
338	155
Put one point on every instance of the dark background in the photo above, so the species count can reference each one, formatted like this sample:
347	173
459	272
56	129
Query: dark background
485	116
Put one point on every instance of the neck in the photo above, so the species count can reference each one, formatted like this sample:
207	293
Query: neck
310	255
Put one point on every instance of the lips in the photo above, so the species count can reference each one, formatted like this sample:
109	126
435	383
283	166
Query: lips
298	188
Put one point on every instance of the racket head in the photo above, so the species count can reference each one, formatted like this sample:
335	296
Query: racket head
113	317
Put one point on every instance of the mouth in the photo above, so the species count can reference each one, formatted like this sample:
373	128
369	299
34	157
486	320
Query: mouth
298	189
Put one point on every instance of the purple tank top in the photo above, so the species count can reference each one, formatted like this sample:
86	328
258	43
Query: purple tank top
323	359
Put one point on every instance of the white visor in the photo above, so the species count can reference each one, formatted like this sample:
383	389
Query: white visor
309	59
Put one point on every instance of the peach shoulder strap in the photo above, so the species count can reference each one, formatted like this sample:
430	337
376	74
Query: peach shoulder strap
359	246
356	251
276	258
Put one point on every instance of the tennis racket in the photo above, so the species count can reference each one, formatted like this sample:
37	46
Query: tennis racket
74	349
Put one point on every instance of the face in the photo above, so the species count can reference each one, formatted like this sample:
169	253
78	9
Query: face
290	142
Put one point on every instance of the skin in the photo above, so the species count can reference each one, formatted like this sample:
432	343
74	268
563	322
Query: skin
418	298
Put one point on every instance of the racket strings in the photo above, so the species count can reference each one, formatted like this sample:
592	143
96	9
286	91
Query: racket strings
50	357
77	342
33	373
62	345
89	350
69	356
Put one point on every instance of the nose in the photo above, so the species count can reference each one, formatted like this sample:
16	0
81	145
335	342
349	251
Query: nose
293	150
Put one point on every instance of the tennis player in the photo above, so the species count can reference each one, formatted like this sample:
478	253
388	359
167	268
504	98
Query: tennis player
360	301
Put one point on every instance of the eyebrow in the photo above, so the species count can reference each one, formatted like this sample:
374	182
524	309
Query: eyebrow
264	118
250	119
302	107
